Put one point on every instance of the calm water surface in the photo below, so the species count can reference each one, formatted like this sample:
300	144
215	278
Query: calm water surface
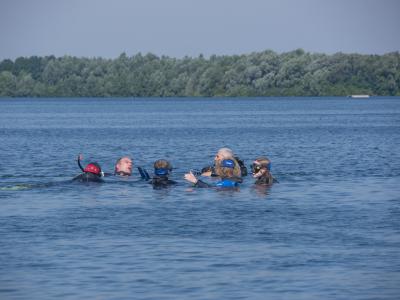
329	230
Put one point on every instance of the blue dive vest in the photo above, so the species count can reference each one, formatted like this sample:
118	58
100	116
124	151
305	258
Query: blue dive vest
227	183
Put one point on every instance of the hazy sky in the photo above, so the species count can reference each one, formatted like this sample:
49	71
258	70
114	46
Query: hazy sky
177	28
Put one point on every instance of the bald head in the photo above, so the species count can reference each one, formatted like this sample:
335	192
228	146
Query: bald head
123	166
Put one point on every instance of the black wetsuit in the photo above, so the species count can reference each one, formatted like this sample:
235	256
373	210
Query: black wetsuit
161	182
243	169
88	177
266	179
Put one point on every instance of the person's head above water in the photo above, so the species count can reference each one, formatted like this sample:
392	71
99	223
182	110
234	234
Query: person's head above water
123	166
226	168
261	166
226	154
162	167
91	173
223	153
93	168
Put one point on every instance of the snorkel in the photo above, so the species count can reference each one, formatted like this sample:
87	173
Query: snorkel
80	157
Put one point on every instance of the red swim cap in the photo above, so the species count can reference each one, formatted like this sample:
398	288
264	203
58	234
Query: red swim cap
93	168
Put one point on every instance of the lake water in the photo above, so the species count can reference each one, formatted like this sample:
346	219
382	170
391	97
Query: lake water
330	229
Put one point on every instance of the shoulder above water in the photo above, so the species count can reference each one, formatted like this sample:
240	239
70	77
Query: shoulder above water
87	177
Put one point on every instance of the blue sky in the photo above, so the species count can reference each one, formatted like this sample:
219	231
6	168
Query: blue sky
176	28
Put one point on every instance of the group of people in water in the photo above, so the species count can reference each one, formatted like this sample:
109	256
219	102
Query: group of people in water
227	168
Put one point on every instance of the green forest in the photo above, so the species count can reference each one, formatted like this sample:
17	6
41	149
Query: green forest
267	73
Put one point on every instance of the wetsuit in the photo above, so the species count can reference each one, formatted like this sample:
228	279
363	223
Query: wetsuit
88	177
266	179
243	169
161	182
223	183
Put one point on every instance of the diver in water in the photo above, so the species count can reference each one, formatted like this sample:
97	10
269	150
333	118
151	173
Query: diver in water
162	169
261	169
225	153
123	166
226	170
91	173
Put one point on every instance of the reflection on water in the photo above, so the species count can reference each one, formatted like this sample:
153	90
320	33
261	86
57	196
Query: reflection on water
329	229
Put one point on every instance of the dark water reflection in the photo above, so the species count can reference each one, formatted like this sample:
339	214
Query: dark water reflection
329	229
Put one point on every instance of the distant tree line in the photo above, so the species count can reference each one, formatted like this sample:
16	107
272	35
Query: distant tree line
295	73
